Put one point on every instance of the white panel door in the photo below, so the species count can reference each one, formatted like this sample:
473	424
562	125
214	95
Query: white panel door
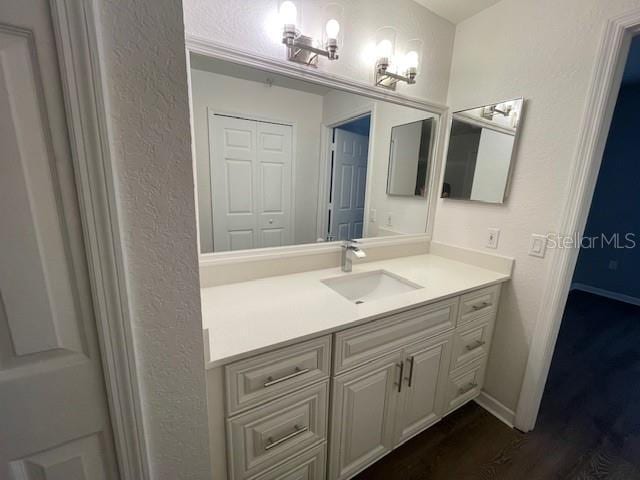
349	185
363	415
274	189
423	393
234	183
54	422
250	182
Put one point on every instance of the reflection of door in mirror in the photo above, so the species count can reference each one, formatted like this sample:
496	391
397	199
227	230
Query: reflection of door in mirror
251	183
348	184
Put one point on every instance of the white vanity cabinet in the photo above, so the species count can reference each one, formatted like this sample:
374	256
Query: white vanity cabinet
330	407
383	402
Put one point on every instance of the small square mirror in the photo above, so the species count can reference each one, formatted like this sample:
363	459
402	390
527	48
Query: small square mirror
481	147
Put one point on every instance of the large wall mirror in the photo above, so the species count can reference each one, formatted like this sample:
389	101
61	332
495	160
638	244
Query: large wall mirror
481	149
281	161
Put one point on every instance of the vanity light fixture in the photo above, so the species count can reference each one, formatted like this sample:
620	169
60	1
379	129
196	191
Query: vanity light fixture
390	68
302	48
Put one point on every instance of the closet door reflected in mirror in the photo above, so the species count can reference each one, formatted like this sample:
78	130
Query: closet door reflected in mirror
480	154
282	161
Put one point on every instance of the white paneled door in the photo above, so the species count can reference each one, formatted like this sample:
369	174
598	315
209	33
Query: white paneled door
251	166
54	421
349	184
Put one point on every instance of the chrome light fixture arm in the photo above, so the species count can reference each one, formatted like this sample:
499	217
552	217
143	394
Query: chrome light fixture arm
300	48
387	79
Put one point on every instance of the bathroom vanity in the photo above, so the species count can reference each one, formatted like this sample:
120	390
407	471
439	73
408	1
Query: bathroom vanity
322	373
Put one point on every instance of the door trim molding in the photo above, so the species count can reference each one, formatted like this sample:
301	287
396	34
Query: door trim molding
206	47
77	33
325	180
601	99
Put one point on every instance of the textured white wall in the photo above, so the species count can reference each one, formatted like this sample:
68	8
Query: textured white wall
146	88
248	25
545	51
256	100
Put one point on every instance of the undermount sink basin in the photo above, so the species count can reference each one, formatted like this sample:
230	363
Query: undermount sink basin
368	286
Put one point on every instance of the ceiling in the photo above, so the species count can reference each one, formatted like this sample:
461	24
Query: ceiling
456	10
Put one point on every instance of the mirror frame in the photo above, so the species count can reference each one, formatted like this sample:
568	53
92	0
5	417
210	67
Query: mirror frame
200	46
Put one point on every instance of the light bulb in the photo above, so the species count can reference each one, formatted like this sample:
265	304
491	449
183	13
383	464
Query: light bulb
411	60
332	28
288	13
384	49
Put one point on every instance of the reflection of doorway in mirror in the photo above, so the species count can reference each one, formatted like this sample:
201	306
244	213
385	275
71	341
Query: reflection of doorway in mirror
348	173
251	183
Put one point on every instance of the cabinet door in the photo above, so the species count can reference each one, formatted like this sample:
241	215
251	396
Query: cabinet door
363	415
424	385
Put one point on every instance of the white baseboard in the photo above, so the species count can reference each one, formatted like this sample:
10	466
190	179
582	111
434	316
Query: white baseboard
496	408
606	293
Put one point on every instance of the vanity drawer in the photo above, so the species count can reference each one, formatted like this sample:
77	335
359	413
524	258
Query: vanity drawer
471	342
481	303
267	376
358	345
266	436
465	384
309	465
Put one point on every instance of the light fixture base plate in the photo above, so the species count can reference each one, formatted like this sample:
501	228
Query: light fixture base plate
299	54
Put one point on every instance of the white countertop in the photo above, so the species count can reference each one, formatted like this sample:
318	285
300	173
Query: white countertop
247	318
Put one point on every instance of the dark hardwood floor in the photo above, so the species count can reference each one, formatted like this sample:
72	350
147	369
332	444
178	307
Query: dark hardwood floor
589	422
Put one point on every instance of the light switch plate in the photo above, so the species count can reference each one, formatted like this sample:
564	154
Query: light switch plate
493	237
538	245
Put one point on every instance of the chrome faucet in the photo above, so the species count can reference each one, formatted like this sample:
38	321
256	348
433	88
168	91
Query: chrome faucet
349	248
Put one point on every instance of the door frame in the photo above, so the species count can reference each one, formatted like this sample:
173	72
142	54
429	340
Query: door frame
601	100
77	43
261	119
325	180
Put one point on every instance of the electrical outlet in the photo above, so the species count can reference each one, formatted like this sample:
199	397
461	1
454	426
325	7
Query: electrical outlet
493	237
389	219
613	264
373	215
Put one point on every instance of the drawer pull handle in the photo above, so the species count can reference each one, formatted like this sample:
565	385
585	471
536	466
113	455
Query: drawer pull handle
467	388
299	371
475	345
298	430
480	306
